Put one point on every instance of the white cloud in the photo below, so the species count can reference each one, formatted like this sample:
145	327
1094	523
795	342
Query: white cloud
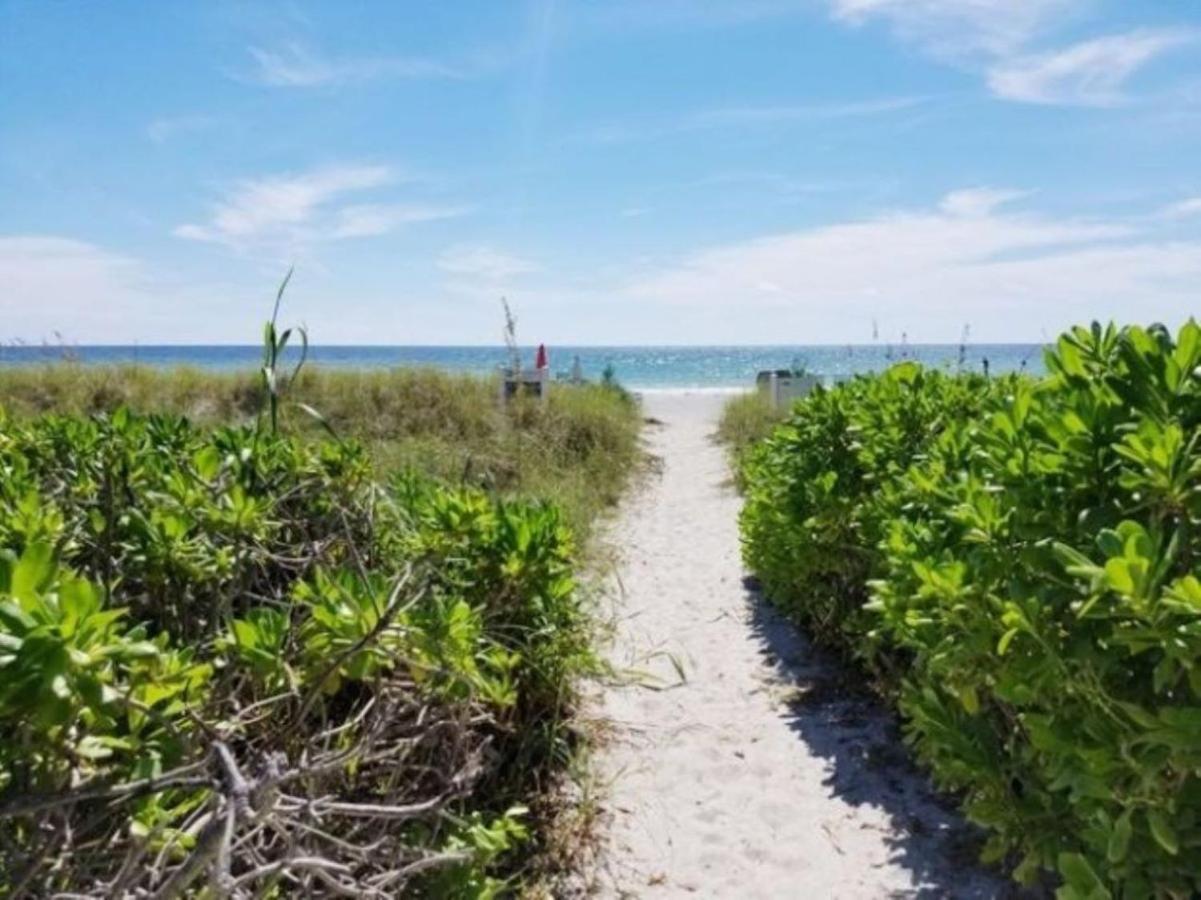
1183	209
370	219
297	66
1090	73
51	285
483	262
30	265
928	272
957	28
285	211
970	202
1010	272
994	37
261	205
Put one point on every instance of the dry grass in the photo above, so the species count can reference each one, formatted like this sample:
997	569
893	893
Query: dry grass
578	451
745	420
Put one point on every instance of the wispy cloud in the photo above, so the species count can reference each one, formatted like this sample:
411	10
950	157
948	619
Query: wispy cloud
928	271
87	293
995	37
56	284
1091	73
752	115
955	28
370	219
1183	209
972	256
164	129
484	262
975	202
286	211
749	115
295	65
29	260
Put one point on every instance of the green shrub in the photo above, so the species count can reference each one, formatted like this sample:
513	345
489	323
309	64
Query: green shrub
84	691
1042	570
172	599
817	492
1031	550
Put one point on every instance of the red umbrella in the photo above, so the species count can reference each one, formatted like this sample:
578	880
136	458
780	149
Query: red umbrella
542	361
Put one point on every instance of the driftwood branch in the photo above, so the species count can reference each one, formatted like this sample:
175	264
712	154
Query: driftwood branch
182	777
267	821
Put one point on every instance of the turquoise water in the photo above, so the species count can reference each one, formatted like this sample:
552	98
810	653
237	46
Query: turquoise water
636	367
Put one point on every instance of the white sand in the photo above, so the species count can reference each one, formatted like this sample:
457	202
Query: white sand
756	776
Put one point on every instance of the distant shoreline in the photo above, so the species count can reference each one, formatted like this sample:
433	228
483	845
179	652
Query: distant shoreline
638	368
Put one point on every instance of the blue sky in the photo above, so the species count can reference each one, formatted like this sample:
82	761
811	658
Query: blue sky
660	171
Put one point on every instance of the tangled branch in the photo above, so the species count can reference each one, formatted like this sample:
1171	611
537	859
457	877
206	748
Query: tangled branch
328	824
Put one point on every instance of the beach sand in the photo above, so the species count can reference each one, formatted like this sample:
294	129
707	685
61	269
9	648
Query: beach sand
739	762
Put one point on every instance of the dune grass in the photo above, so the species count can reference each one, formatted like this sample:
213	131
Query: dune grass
745	420
578	451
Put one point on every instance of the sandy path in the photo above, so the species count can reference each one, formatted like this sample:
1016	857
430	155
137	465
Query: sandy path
755	776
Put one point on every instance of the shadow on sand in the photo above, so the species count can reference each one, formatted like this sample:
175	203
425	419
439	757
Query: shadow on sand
860	740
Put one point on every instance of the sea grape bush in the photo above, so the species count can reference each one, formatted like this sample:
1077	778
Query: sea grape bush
1036	564
83	689
186	526
165	591
1048	591
818	492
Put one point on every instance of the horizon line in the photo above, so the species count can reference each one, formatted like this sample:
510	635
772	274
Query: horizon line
550	345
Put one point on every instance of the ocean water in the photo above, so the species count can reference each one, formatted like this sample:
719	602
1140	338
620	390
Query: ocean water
636	367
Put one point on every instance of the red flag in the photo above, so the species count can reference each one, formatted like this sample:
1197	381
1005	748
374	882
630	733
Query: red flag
542	361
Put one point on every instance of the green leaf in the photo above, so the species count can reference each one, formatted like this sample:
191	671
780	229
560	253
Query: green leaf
15	619
1162	831
1119	574
208	462
1140	715
131	650
1069	555
969	699
33	571
1119	838
319	419
1188	346
1006	640
1080	876
1186	591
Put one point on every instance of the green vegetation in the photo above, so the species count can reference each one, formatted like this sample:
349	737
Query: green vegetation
320	636
1017	562
820	492
284	648
578	452
745	420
